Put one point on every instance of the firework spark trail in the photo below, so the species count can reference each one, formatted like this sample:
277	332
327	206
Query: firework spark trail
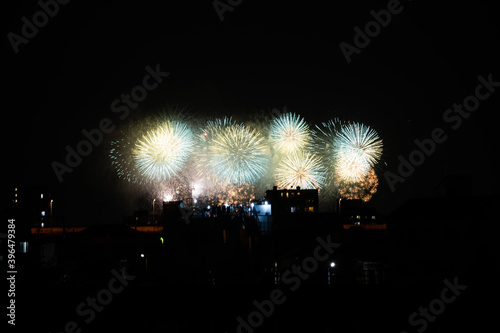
203	141
224	161
234	153
363	189
300	169
362	141
324	136
122	161
357	147
161	153
289	133
219	194
237	163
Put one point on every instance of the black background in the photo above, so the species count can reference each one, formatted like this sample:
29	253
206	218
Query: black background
263	55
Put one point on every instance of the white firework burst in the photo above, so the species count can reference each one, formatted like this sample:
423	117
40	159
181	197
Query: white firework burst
325	135
161	153
289	133
300	169
122	160
232	152
356	148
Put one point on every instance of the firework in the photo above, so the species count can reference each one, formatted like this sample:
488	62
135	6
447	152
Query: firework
325	138
122	161
232	152
289	133
229	162
219	194
161	153
356	148
300	169
327	132
363	189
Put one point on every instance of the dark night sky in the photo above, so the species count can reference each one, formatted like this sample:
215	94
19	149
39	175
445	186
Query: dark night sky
260	57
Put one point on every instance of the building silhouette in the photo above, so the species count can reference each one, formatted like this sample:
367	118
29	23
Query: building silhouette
293	201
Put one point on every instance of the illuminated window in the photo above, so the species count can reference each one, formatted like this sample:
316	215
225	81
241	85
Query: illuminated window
43	213
373	217
41	196
277	277
24	247
310	209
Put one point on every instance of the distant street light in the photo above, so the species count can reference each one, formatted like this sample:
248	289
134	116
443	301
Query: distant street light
51	201
154	210
146	264
330	272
